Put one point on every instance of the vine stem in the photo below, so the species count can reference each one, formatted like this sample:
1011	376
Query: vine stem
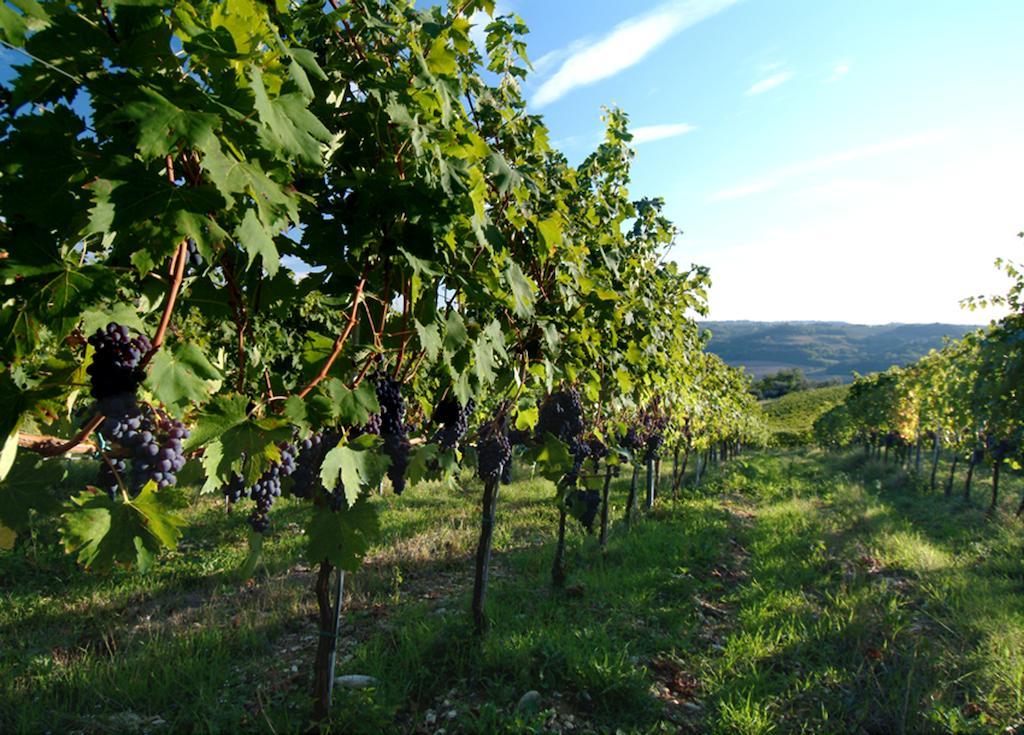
483	556
50	446
172	297
339	343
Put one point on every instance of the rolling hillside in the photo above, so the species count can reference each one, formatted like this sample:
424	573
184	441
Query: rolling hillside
791	418
825	350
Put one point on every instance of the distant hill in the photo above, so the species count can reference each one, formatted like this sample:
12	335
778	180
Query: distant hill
825	350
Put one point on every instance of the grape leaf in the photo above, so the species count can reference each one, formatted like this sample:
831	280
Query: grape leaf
342	537
182	376
221	414
430	339
522	290
253	236
358	465
287	124
162	124
103	531
30	486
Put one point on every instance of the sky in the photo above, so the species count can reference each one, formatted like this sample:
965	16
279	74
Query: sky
852	160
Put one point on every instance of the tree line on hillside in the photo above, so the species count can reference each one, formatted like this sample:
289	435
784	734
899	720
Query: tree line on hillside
965	399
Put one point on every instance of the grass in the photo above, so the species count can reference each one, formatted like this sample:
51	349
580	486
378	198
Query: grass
795	592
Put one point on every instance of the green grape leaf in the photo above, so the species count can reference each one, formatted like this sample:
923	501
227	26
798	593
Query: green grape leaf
296	412
423	463
430	339
258	441
253	236
102	532
31	485
358	465
552	456
121	313
522	290
287	125
455	335
162	125
342	537
500	173
252	559
352	407
222	413
182	376
527	418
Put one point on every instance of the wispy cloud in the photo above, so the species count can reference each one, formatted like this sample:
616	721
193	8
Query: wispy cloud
839	71
627	44
770	82
776	178
648	133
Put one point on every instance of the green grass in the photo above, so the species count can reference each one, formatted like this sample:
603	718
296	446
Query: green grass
791	418
794	592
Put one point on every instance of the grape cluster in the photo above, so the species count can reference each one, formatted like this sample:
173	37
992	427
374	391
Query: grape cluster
519	437
584	505
160	454
631	439
109	474
116	361
192	256
652	431
453	418
393	429
268	488
153	441
309	457
493	451
561	415
265	490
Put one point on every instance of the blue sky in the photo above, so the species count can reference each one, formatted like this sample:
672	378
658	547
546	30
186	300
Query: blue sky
859	161
856	160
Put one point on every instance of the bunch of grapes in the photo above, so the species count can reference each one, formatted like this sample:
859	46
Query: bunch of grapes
116	362
159	453
596	449
652	431
309	457
392	429
268	488
153	441
584	505
453	418
192	256
111	469
631	439
493	451
561	415
235	489
519	437
265	490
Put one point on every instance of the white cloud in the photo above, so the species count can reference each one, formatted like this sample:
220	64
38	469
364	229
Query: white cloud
627	44
775	178
648	133
839	71
770	83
